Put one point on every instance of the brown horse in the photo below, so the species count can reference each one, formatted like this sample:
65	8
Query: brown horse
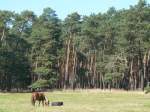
40	97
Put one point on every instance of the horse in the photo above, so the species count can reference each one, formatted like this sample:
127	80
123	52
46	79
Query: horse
40	97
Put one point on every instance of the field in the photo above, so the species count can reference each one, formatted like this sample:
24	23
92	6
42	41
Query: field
79	101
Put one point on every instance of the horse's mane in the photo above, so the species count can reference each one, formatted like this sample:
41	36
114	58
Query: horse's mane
46	98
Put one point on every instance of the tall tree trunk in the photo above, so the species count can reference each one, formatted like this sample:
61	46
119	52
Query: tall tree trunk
139	73
144	64
94	68
131	75
67	63
72	81
148	65
3	34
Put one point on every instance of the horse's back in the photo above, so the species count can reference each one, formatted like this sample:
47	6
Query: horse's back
38	96
41	96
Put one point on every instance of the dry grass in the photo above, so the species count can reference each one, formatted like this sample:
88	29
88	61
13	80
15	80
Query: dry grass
80	101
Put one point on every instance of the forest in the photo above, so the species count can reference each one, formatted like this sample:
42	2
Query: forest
104	50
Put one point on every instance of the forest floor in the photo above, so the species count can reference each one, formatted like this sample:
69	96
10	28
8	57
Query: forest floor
79	101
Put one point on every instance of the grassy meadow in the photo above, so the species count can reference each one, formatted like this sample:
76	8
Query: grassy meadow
79	101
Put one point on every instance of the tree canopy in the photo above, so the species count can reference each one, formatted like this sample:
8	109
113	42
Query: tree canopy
104	50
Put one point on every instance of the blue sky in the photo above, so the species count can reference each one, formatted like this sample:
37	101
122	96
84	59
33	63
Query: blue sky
65	7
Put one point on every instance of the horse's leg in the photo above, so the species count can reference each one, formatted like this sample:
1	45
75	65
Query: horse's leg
43	102
33	102
39	103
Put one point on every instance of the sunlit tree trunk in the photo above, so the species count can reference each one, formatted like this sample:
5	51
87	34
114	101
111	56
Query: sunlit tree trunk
67	63
131	75
3	34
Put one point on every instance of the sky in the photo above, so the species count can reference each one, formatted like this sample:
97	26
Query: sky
65	7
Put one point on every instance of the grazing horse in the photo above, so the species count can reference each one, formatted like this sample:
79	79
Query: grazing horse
40	97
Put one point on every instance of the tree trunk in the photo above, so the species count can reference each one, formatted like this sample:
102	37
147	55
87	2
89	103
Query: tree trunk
67	63
3	34
131	75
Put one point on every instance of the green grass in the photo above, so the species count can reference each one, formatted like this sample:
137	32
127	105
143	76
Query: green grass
79	101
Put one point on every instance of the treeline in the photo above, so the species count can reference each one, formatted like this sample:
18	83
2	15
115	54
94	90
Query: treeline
109	50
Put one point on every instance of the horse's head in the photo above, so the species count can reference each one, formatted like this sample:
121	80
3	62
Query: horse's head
46	101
